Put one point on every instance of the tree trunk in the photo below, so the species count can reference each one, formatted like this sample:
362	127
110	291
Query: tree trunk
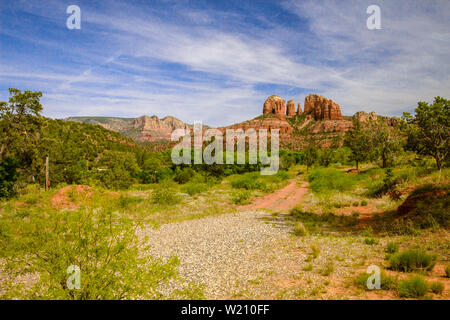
357	165
438	162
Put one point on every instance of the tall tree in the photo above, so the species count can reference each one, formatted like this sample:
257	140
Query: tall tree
20	123
359	142
387	141
428	131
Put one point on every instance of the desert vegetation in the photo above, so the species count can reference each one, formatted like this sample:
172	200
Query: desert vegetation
353	206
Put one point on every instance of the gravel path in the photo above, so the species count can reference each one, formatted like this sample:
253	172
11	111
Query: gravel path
220	252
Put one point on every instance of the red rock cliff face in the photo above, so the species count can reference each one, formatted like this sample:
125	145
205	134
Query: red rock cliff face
290	112
274	104
322	108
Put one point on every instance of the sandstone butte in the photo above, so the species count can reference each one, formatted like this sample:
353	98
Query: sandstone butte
321	118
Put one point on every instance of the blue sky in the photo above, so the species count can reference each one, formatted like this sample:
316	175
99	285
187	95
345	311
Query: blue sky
217	61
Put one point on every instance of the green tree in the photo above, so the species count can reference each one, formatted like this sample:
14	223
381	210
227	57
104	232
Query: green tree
8	176
118	169
20	124
428	131
387	141
359	143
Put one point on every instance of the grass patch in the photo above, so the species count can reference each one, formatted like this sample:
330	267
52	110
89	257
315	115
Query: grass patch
387	282
300	229
330	179
391	247
165	194
412	260
413	287
241	197
436	287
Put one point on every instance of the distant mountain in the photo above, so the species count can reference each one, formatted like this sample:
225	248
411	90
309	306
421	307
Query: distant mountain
142	129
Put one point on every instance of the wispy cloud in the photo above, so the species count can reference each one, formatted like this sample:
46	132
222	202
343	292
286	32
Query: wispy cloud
217	64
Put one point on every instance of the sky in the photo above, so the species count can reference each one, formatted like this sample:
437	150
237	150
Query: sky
217	61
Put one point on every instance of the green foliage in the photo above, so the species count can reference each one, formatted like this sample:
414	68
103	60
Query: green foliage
184	175
240	197
101	242
428	131
413	287
119	169
386	186
387	142
392	247
357	141
8	176
364	203
165	194
330	179
437	287
249	182
387	282
370	241
327	269
412	260
447	271
193	188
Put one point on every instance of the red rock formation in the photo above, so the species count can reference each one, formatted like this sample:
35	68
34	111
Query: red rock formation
322	108
299	109
274	104
290	112
363	117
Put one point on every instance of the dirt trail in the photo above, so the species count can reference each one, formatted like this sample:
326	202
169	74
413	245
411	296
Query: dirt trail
280	200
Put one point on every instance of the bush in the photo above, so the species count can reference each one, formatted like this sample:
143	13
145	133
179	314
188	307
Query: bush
300	229
165	194
248	183
240	197
8	177
121	169
412	260
104	246
330	179
183	176
413	287
370	241
392	247
364	203
386	282
447	271
194	188
437	287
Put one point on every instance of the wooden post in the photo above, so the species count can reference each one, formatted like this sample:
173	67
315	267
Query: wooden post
47	182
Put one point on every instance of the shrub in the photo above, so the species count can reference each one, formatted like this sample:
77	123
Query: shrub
240	197
370	241
300	229
194	188
183	176
413	287
327	269
386	282
165	194
447	271
315	250
330	179
248	183
364	203
412	260
121	172
392	247
436	287
102	243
